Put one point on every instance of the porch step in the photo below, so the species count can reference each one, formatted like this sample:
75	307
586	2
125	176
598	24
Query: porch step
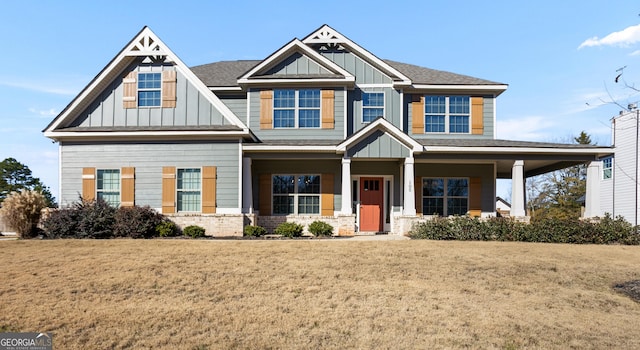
370	233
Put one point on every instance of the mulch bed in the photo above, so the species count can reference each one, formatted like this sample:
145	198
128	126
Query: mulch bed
630	288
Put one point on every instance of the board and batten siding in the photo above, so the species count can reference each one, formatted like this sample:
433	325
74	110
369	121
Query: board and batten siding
192	109
363	71
391	106
378	145
297	64
488	125
335	133
148	160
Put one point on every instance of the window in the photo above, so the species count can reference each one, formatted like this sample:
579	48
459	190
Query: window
189	189
445	196
296	194
149	89
108	186
296	108
372	106
446	114
607	167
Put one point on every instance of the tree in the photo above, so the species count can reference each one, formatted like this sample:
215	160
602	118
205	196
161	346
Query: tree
15	176
560	193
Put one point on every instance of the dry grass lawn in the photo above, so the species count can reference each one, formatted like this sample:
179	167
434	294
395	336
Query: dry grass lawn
319	294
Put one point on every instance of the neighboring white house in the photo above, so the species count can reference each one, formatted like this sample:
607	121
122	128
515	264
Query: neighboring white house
619	181
503	207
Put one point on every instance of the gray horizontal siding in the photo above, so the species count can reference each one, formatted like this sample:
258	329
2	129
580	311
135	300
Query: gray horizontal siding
148	160
299	167
237	105
487	116
337	133
363	71
192	108
484	171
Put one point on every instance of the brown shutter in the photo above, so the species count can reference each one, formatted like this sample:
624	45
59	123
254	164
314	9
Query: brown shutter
417	114
169	89
89	184
265	194
168	190
417	186
328	110
129	90
475	196
128	189
477	115
326	198
208	190
266	109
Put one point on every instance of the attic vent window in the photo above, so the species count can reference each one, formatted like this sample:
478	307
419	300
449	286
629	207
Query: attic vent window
149	89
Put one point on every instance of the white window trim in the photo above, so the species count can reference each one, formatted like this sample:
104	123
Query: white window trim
296	195
297	110
189	190
119	184
138	89
610	168
444	196
362	107
447	115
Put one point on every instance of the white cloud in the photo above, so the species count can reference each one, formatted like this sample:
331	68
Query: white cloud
531	128
635	53
623	38
44	113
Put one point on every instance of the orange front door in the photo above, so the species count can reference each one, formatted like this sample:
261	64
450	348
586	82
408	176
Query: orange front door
371	204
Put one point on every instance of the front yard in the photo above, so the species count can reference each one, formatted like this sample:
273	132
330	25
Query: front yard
210	294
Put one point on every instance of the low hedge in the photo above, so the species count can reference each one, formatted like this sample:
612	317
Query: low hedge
603	231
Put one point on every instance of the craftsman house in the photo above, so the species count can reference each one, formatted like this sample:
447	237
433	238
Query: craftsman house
321	129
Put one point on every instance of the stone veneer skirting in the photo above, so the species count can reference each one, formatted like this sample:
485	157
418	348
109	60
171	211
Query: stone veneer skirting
216	225
343	225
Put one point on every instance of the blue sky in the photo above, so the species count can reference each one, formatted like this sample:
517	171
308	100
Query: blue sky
559	58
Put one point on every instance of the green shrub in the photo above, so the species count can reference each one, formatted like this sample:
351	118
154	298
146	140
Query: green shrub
320	228
254	231
21	212
167	228
97	219
62	223
136	222
193	231
289	229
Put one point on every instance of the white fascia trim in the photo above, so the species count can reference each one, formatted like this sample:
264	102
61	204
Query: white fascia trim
510	150
290	47
225	88
348	80
366	86
164	50
380	123
461	87
228	210
90	134
271	148
341	39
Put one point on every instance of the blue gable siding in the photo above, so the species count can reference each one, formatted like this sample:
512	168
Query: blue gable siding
192	109
392	112
297	64
363	71
378	145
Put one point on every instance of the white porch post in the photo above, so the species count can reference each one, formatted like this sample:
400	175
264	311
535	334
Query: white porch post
346	187
409	187
517	189
592	197
247	186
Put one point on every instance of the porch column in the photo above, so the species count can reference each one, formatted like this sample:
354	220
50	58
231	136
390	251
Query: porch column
247	186
517	189
592	197
409	187
346	187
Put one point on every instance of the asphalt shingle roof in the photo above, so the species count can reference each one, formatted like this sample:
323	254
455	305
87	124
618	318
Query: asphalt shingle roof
226	74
